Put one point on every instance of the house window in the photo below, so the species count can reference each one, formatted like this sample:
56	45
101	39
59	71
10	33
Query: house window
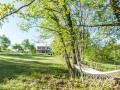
43	51
43	47
39	47
48	48
48	51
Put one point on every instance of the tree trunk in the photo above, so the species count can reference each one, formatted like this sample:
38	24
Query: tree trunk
116	8
72	34
65	51
66	55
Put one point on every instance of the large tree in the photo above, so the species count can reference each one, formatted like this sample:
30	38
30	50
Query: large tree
66	20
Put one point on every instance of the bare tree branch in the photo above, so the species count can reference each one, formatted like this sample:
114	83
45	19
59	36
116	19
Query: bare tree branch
17	10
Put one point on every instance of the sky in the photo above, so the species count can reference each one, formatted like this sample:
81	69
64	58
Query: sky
12	31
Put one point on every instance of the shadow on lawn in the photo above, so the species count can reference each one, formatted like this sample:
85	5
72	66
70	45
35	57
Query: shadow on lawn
11	68
26	56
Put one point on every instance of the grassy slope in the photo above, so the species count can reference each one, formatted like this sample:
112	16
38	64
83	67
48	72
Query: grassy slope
24	71
38	72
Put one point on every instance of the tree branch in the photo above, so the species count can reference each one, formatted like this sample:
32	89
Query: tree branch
115	24
17	10
46	28
52	10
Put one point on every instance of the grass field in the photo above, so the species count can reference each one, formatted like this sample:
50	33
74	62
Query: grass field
34	72
37	72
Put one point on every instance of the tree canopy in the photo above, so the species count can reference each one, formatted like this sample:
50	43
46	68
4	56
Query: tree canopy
76	25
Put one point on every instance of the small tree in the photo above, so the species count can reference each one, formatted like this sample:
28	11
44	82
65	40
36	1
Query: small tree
26	44
17	47
4	47
32	49
4	42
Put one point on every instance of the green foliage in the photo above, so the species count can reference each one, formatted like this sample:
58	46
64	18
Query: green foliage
17	47
61	19
106	54
4	42
57	45
4	47
25	44
32	49
6	9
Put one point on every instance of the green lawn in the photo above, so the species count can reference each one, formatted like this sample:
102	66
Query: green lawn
38	72
34	72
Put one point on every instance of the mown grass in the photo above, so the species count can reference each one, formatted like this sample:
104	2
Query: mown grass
34	72
38	72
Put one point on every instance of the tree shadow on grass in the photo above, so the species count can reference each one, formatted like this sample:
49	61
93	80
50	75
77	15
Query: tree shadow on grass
27	56
10	68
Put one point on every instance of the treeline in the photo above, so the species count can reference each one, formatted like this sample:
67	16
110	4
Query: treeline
91	47
24	47
109	53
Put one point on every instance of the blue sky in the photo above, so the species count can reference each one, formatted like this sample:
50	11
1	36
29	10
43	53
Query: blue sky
12	31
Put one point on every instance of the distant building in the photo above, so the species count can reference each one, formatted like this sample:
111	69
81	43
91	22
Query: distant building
43	49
